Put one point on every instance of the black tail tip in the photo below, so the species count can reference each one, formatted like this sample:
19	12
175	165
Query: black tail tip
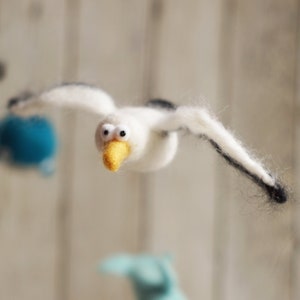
277	193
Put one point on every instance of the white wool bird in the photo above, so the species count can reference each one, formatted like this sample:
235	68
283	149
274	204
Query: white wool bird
146	138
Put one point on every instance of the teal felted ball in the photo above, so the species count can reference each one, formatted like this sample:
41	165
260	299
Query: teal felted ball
28	141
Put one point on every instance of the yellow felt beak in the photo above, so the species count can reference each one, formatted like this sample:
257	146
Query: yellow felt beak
115	152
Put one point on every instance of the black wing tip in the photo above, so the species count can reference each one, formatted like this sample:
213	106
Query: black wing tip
277	193
76	83
162	104
14	101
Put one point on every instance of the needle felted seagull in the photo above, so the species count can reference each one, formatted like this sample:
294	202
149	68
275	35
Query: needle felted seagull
146	138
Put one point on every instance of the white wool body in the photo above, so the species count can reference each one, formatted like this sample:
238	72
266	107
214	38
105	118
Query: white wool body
73	96
150	149
161	150
200	122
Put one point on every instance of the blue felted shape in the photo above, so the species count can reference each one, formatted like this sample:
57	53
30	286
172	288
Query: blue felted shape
28	142
152	277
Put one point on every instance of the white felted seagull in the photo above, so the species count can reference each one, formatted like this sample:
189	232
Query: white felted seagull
146	138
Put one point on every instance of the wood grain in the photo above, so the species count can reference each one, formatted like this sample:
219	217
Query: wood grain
181	197
105	207
238	58
258	253
28	201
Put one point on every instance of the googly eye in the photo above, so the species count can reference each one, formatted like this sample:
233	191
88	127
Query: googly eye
122	133
107	132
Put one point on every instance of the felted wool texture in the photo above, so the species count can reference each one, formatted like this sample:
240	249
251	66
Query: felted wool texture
199	122
152	276
28	141
150	150
153	132
114	154
76	96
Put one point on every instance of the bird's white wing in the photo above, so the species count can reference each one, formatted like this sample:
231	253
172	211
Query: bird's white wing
199	122
77	96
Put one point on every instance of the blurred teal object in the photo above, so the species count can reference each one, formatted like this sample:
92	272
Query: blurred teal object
28	142
152	277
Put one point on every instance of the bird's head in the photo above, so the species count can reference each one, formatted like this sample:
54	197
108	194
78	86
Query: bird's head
120	139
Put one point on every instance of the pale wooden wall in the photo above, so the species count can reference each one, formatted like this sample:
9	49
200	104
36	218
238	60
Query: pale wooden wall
240	58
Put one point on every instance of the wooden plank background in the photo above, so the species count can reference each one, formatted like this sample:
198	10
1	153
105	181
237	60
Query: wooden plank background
238	57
